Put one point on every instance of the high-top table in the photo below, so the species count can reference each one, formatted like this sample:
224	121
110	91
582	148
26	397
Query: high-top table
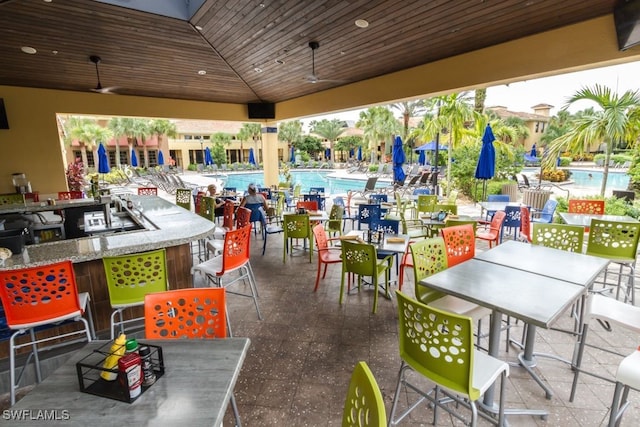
585	219
520	280
194	391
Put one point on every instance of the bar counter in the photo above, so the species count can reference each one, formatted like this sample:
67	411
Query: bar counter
170	227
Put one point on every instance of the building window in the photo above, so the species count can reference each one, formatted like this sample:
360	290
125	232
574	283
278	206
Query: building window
542	127
153	157
537	127
90	161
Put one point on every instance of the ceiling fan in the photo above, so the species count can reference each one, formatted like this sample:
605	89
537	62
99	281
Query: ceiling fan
313	77
96	60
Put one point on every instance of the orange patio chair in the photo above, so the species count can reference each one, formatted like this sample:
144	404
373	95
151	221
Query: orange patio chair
492	233
326	254
525	224
308	205
590	207
460	242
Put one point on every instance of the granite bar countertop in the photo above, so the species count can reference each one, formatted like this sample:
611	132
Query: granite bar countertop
167	225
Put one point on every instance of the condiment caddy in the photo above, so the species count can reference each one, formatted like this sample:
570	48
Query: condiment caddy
121	370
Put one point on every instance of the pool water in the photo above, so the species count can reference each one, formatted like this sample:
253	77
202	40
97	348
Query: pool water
615	180
307	179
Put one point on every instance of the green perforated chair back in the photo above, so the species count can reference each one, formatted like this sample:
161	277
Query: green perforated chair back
359	258
335	219
11	199
437	344
452	197
613	240
448	208
427	203
296	226
565	237
207	208
364	405
131	277
183	198
429	257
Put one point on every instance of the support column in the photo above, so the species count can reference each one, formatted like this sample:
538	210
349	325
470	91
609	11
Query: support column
270	154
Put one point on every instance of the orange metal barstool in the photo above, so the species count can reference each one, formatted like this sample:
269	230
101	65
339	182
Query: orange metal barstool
45	295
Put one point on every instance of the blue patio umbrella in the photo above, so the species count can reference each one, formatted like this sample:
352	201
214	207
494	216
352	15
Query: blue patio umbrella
486	167
534	153
292	157
134	158
398	160
103	161
351	153
208	160
327	153
160	158
422	159
359	154
252	158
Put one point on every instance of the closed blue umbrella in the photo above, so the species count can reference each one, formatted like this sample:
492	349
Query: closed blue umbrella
103	161
534	153
134	159
327	153
160	158
486	167
351	153
398	160
208	160
292	158
360	153
422	159
252	158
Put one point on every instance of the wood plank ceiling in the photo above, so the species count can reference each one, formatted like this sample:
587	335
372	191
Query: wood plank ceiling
256	50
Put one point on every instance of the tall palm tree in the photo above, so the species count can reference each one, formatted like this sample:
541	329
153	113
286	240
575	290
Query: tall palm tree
614	123
88	133
409	109
379	126
290	132
453	113
480	97
131	128
163	128
253	132
329	130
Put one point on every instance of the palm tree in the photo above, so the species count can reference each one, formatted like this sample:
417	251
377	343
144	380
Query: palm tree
379	126
133	129
87	132
290	132
249	131
329	130
162	127
614	123
479	97
454	111
409	109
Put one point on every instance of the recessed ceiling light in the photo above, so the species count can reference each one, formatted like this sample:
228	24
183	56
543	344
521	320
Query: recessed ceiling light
48	1
55	52
279	61
202	72
342	52
262	5
257	69
198	27
28	49
362	23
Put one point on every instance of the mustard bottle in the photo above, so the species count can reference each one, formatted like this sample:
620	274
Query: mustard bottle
115	353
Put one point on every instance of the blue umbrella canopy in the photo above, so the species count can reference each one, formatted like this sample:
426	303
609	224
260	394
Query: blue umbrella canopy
160	158
103	161
422	159
360	153
351	153
252	158
292	158
208	160
327	153
431	146
486	167
134	158
398	160
534	152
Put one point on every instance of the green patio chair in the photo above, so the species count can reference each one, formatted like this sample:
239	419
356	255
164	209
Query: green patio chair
207	208
11	199
364	400
334	224
183	198
296	227
449	208
618	242
362	259
558	236
439	346
427	203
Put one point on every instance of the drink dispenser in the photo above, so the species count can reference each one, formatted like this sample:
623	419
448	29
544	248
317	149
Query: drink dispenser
21	184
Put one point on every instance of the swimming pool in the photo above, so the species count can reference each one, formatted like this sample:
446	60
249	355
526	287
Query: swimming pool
307	179
586	178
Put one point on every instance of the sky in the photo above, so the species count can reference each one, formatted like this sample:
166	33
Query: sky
521	96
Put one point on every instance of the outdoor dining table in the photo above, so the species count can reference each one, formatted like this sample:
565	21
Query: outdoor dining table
585	219
198	382
520	280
